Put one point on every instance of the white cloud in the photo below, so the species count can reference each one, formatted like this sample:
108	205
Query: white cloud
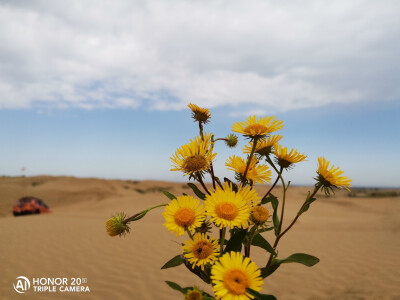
161	54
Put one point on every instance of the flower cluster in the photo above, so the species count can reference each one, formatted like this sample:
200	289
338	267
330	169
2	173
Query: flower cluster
233	208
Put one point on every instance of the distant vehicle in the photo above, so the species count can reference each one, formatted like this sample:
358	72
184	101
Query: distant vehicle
30	205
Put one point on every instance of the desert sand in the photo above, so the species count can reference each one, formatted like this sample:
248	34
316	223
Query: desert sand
356	238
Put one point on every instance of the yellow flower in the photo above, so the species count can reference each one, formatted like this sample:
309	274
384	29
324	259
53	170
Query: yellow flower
233	274
184	212
199	114
256	172
259	215
257	128
227	208
248	194
195	156
194	294
264	146
285	159
201	250
116	225
331	177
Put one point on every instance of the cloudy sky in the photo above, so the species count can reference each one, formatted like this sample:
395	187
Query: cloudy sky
81	82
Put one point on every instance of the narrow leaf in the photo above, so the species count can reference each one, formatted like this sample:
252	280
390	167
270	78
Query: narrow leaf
196	190
301	258
235	243
307	205
174	262
267	271
176	286
204	275
268	199
169	195
259	296
275	219
259	241
217	180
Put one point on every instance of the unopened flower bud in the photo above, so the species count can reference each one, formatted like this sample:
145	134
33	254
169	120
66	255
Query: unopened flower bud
231	141
116	225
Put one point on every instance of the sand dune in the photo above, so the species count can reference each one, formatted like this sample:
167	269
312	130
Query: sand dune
357	240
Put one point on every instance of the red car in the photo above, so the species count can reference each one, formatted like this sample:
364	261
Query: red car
30	205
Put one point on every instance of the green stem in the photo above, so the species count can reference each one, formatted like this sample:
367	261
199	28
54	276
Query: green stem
252	234
317	187
249	161
189	233
142	213
221	139
272	187
199	179
212	175
283	201
268	159
201	131
222	240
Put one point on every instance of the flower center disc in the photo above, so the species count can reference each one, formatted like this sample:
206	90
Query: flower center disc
202	249
226	210
195	163
184	217
236	281
256	129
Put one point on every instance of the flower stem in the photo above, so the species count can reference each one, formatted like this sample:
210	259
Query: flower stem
317	187
142	213
272	187
222	240
189	233
283	200
221	139
212	175
199	179
201	131
249	161
252	233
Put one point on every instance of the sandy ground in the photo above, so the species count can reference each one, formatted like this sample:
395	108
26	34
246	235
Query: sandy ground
357	240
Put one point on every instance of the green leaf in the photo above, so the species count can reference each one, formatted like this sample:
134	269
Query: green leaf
259	241
306	205
235	243
204	275
176	286
169	195
275	219
233	185
267	271
196	190
259	296
301	258
268	199
217	180
174	262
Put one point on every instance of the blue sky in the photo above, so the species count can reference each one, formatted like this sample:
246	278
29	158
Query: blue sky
100	88
137	144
